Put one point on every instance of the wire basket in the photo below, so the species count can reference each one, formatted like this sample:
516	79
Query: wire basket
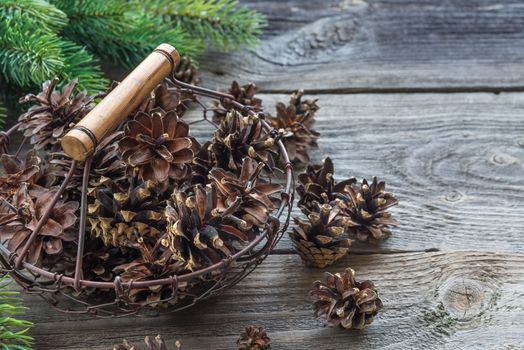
65	292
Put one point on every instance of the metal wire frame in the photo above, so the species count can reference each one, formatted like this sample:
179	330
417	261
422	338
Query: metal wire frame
59	290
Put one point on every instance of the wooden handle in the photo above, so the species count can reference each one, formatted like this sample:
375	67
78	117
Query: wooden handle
82	140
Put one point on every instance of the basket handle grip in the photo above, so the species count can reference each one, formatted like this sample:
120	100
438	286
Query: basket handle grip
81	141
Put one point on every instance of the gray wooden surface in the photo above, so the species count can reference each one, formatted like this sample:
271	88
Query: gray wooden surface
424	94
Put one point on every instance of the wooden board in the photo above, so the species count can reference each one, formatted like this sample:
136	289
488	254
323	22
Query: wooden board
432	300
382	45
406	93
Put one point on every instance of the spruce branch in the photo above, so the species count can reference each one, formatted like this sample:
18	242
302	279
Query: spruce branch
115	31
12	330
28	55
221	22
47	16
81	65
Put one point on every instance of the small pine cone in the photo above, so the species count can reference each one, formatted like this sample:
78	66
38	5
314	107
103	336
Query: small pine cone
244	94
203	161
33	170
295	122
155	262
106	163
321	241
200	230
317	184
186	71
344	302
166	99
157	344
304	107
25	210
157	146
254	338
54	114
256	196
368	209
238	137
121	218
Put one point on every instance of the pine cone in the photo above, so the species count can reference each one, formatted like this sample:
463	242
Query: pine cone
98	262
167	100
255	194
32	170
27	207
367	208
157	344
244	94
153	263
200	230
321	241
157	146
254	338
186	71
54	114
106	164
238	137
295	122
203	162
121	218
317	184
344	302
304	107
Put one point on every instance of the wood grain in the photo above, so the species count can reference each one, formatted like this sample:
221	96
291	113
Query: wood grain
432	300
381	45
455	162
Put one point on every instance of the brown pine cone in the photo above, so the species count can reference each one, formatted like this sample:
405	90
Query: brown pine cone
33	170
122	218
186	71
54	114
344	302
317	184
157	146
157	344
155	262
26	209
321	240
166	99
200	231
368	209
106	163
238	137
254	338
244	94
203	161
295	122
256	196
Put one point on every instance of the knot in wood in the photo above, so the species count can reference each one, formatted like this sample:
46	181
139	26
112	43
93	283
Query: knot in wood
503	159
453	196
463	299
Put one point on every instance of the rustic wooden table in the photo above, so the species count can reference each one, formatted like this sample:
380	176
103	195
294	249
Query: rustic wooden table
427	95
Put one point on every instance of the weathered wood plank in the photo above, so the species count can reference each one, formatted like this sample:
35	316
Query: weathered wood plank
445	300
455	162
358	45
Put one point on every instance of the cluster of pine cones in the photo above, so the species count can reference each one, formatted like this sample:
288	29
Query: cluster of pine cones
338	212
162	204
159	202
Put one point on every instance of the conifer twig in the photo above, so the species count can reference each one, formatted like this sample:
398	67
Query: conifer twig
12	330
